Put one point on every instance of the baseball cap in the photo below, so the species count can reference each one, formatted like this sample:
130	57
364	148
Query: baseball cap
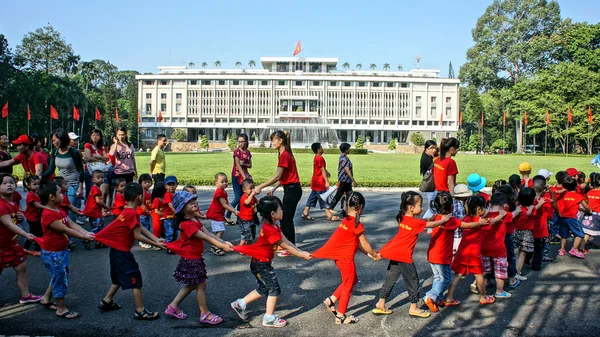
524	167
23	139
182	198
170	179
73	135
461	190
544	173
572	172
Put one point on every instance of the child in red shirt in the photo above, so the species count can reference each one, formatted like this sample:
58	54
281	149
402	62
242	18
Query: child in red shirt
399	250
95	209
591	222
119	199
191	270
11	253
169	210
216	210
33	212
192	189
57	228
124	270
247	214
523	226
540	219
341	247
262	253
145	209
158	206
567	220
67	207
319	184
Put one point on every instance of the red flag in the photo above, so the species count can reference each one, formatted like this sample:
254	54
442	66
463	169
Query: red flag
459	118
298	48
547	117
569	116
75	113
28	113
160	118
117	114
482	119
5	110
441	118
504	118
98	117
525	118
53	112
139	117
590	118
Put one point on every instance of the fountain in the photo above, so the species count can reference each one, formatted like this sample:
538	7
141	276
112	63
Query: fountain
304	132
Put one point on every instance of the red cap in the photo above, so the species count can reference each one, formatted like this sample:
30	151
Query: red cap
23	139
573	172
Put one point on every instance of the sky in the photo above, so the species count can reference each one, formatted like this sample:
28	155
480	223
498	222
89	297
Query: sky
142	35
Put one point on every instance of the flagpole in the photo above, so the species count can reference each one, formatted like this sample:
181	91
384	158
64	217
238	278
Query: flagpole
567	149
546	146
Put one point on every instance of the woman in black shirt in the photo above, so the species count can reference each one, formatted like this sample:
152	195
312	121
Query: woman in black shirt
429	153
4	155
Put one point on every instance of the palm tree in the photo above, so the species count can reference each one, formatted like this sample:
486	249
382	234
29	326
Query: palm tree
217	63
252	64
359	66
204	64
69	63
373	66
400	68
386	66
346	65
238	64
191	64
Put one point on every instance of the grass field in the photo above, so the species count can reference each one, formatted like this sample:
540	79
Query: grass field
372	170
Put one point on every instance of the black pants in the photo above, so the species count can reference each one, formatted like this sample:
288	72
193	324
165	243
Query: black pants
35	228
538	252
159	177
127	176
410	276
343	188
292	194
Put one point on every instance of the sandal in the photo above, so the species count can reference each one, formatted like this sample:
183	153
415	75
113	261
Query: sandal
307	217
451	303
145	315
378	311
334	218
217	251
175	312
50	305
419	314
345	319
330	306
69	315
228	221
213	320
106	307
488	300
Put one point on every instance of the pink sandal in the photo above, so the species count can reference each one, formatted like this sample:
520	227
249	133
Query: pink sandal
213	321
175	312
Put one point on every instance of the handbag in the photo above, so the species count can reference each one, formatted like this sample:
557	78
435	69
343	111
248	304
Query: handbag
97	166
427	184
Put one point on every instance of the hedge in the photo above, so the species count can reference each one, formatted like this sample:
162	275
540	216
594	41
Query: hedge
326	151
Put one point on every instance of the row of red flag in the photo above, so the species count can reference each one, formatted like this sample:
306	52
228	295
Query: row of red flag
76	116
526	118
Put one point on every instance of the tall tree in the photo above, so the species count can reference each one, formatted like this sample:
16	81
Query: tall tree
346	65
217	63
373	66
191	64
386	66
238	64
400	67
251	63
44	49
204	65
580	43
450	70
359	66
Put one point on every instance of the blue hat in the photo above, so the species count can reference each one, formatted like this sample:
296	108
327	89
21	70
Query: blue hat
475	182
182	198
170	179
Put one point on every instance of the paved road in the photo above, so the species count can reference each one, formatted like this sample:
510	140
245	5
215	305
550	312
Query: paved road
561	300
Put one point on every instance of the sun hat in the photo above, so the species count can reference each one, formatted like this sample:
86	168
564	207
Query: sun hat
73	135
475	182
524	167
23	139
182	198
170	179
462	190
570	171
544	173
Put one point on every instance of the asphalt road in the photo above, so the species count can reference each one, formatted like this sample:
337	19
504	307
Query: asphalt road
561	300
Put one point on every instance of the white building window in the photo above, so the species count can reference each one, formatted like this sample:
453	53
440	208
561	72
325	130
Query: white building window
433	99
148	82
148	107
448	111
148	96
178	95
448	100
418	112
163	82
177	107
148	133
433	111
163	96
206	82
418	99
163	107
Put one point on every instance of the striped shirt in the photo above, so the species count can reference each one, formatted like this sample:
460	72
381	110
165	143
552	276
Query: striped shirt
342	174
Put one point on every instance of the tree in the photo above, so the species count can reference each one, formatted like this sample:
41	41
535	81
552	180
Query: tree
400	68
450	70
45	49
191	64
6	65
417	139
251	63
346	65
69	63
359	142
218	64
238	64
204	142
386	66
373	66
231	143
359	66
179	135
204	65
392	144
580	43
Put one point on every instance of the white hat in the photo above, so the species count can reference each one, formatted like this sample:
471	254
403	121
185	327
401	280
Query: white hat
544	173
73	135
462	190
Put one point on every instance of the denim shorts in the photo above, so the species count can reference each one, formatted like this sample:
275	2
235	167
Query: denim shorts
247	230
314	197
266	278
58	266
217	226
566	226
124	270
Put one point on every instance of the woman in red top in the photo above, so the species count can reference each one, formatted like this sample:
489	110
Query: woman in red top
33	212
399	251
341	247
286	176
445	169
191	270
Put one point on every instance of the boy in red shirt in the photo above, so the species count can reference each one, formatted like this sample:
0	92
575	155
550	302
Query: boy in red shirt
145	209
67	207
95	208
319	184
33	212
567	220
57	228
247	214
119	200
525	171
216	210
169	210
523	226
540	225
124	270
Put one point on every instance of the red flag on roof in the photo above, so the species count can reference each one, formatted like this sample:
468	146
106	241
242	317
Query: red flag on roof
53	112
75	113
160	117
547	117
28	113
98	117
5	110
117	115
590	118
298	48
569	116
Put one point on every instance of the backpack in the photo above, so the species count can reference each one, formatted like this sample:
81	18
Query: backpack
427	184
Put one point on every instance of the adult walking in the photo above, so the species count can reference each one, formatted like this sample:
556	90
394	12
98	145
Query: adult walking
4	154
427	157
95	159
158	164
33	162
286	176
124	154
445	169
242	161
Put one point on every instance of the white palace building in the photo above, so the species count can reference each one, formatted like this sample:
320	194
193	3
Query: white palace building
308	96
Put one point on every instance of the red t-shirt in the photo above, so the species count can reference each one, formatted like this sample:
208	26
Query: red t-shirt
216	211
469	250
54	241
529	183
266	244
442	239
570	204
92	209
16	199
540	227
400	248
523	222
118	204
188	246
147	203
290	172
64	205
29	164
484	196
97	152
593	197
168	212
119	233
317	182
247	211
31	212
8	239
442	169
343	243
157	206
493	237
548	206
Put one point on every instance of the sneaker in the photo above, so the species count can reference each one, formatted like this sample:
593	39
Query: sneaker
585	251
504	294
431	304
157	248
239	310
276	323
284	253
520	277
562	252
576	253
146	246
31	298
547	259
474	289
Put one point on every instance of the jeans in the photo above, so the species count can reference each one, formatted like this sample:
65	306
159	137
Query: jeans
74	200
442	275
58	266
170	234
292	194
410	276
315	197
87	179
145	222
510	255
97	224
237	192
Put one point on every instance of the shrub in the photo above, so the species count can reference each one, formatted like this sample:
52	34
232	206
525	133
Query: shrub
325	151
359	142
204	142
417	139
262	144
231	143
179	135
392	144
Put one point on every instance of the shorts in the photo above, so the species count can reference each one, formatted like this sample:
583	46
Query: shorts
124	270
58	266
12	257
190	272
247	230
463	269
266	278
145	221
524	241
314	197
498	265
217	226
566	226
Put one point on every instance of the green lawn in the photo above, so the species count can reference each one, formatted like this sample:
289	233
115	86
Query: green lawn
383	170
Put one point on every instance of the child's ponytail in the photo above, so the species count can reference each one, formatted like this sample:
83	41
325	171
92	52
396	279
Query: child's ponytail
355	200
159	190
409	198
266	205
442	203
473	203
